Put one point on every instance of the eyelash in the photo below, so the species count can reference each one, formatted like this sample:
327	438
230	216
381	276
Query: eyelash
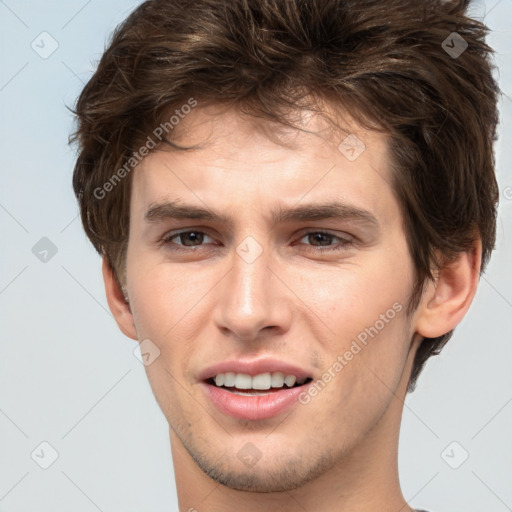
344	242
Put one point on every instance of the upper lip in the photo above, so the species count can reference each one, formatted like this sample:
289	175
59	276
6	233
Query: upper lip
254	367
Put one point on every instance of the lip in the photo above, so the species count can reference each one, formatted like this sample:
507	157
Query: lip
253	407
259	407
254	367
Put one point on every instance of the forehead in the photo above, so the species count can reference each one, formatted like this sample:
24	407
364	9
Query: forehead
230	132
242	160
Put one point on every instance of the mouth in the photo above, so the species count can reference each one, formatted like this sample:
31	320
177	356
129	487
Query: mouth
261	384
255	396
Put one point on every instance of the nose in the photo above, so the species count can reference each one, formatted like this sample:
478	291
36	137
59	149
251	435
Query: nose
253	300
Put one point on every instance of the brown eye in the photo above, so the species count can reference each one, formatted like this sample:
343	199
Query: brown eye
189	238
319	238
322	241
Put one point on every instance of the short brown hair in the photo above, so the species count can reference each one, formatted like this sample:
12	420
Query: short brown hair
386	62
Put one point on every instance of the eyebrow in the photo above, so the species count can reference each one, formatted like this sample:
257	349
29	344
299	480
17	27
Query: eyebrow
306	212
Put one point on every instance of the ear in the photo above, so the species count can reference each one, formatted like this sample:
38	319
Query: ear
446	301
117	303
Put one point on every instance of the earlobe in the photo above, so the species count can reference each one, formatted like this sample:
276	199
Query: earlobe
118	301
447	300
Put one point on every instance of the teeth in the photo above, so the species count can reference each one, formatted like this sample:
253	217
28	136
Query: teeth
277	380
289	380
229	379
261	381
243	381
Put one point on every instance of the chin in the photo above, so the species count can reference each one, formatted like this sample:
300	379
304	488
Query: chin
267	475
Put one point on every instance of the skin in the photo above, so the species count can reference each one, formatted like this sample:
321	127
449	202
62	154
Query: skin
339	451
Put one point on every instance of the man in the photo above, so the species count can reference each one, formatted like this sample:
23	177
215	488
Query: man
294	200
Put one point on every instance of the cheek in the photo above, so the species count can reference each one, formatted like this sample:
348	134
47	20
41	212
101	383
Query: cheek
167	310
364	306
351	298
167	300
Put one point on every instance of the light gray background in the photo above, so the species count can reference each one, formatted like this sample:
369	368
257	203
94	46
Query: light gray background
69	377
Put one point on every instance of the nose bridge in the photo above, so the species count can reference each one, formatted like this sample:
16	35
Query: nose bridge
251	270
252	299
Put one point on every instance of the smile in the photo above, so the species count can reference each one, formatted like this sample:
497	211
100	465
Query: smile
257	397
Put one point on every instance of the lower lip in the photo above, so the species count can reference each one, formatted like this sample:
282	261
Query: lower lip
258	407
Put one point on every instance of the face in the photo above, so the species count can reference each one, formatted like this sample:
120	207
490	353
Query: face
297	264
